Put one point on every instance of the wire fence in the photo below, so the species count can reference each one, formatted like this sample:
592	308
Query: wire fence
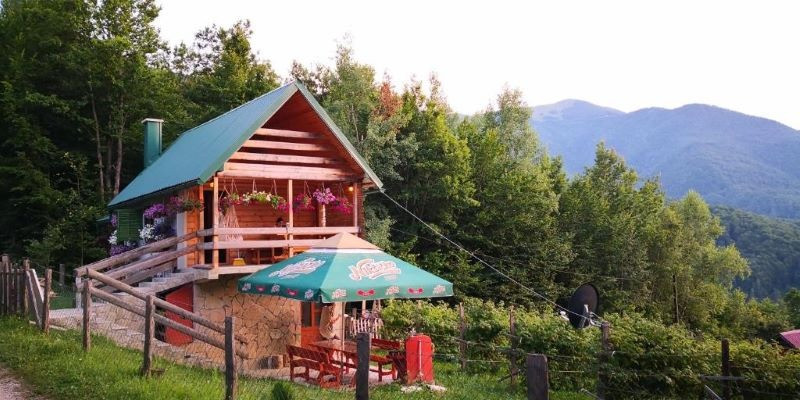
600	371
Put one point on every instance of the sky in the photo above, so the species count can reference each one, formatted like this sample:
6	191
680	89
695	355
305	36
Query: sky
622	54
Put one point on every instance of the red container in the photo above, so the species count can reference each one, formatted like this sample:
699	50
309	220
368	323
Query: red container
419	359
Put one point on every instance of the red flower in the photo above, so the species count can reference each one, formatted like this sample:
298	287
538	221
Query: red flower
366	293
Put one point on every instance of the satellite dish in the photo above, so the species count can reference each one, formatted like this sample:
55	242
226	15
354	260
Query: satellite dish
583	305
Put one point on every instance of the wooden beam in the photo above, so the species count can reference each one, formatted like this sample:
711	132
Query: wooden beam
287	133
236	166
290	199
271	174
164	321
215	222
302	230
133	254
268	144
161	303
201	254
260	244
285	158
355	205
149	263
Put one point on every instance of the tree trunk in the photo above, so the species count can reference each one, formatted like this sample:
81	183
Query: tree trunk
100	168
120	135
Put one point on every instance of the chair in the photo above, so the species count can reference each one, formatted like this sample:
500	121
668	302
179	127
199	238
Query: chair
309	359
382	361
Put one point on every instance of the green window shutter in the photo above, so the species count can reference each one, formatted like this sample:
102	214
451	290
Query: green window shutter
129	221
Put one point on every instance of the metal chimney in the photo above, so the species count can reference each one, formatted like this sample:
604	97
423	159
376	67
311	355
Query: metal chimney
152	140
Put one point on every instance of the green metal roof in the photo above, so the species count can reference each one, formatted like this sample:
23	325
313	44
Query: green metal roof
202	151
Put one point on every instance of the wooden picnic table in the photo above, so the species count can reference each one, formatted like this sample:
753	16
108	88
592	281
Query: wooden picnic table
336	345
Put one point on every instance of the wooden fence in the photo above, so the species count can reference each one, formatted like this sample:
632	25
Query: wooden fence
21	293
232	344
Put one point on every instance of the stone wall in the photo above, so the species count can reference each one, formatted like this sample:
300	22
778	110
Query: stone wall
269	323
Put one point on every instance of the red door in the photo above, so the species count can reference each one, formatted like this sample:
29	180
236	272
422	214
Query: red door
309	329
181	297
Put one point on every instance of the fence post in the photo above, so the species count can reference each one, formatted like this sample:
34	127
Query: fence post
48	281
512	355
23	277
536	374
726	369
12	285
3	284
87	312
462	345
362	370
12	291
230	359
605	333
61	272
149	327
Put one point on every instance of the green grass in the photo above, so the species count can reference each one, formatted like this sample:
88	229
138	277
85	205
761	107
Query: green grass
64	298
55	366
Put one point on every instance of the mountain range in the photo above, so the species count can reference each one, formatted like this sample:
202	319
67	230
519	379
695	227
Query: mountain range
730	158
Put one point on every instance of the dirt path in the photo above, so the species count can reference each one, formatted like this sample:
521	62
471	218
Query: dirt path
11	388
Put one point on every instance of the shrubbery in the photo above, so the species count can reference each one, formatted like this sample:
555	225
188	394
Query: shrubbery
648	356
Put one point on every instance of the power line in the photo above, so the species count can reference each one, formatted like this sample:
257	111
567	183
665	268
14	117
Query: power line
480	260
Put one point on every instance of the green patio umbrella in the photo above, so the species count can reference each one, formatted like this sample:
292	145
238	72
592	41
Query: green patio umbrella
345	268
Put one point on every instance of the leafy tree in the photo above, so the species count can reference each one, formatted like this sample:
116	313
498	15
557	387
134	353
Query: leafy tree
221	71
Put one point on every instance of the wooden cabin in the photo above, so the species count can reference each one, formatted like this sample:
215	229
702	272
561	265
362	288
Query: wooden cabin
282	144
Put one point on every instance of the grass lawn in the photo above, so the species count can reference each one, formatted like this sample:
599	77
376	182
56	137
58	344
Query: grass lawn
56	366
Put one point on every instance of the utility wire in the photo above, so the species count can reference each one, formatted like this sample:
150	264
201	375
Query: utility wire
480	260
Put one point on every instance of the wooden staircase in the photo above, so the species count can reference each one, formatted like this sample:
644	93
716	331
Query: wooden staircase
120	285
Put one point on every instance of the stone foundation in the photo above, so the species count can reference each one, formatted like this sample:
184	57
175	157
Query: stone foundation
269	323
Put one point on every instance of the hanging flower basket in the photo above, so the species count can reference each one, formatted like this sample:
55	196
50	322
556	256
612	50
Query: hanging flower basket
324	196
342	205
303	202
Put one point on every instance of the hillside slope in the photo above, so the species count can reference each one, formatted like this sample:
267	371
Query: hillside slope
730	158
772	246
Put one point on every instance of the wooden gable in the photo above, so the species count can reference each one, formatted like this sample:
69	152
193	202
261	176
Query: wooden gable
295	143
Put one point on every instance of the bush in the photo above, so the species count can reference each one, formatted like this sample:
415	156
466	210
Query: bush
649	357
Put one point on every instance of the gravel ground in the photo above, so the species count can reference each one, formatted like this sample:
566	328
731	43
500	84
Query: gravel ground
12	388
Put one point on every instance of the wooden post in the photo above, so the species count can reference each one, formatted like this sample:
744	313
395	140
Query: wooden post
61	272
726	369
149	330
536	374
87	312
230	359
290	199
605	334
462	344
3	288
355	207
362	370
512	354
215	225
48	281
23	276
6	295
201	254
12	290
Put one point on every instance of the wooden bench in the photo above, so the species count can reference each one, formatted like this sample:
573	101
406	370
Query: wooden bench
382	361
313	360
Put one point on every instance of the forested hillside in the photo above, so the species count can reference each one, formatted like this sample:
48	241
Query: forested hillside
77	77
772	247
729	158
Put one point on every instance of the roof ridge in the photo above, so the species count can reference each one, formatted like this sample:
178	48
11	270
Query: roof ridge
239	106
